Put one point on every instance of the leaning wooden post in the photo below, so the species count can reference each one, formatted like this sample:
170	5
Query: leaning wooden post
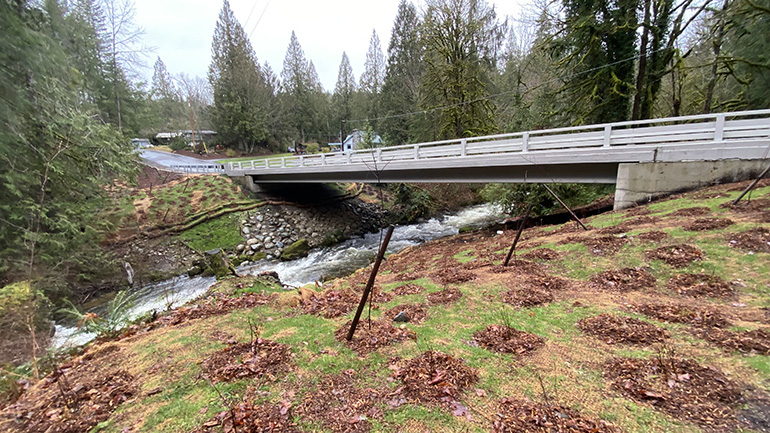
566	207
750	187
518	234
370	284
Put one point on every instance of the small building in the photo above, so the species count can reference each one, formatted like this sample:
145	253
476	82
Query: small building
355	141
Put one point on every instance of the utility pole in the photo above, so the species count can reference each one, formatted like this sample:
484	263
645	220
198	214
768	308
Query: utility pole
342	145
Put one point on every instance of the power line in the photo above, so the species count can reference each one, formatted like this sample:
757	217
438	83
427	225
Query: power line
260	18
486	98
254	6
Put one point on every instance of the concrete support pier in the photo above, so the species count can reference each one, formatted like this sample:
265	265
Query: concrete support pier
642	182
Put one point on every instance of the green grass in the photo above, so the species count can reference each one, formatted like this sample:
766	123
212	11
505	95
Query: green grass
222	232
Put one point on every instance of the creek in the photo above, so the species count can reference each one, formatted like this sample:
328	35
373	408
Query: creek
320	264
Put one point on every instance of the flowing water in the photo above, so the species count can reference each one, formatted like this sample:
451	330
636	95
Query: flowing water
320	264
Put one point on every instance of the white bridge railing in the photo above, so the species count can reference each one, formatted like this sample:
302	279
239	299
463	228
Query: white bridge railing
200	168
675	131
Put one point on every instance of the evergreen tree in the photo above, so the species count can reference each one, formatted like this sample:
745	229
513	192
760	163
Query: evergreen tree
168	110
461	41
298	81
344	91
373	79
400	91
241	96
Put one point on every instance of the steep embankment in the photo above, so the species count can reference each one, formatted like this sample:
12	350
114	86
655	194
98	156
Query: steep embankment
654	320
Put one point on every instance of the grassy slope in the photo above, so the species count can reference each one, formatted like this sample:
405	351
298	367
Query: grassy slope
569	366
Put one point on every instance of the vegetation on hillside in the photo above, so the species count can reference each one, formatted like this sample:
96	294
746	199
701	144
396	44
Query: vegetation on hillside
653	320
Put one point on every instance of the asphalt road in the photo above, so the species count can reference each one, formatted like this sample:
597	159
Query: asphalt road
165	159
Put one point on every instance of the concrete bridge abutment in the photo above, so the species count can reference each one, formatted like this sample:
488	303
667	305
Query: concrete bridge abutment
640	183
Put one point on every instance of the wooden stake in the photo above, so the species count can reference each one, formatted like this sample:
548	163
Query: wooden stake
566	207
750	187
518	234
370	284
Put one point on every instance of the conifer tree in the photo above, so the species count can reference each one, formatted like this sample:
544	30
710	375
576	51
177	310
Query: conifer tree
400	91
373	79
241	96
344	91
298	81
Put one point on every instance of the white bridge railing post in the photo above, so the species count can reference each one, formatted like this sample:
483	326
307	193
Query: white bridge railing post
463	147
301	161
379	155
719	128
525	142
416	151
607	135
323	159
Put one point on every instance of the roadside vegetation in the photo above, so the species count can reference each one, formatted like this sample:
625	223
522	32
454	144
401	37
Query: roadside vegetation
653	320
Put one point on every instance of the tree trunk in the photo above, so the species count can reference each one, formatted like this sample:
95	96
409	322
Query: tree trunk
716	47
640	75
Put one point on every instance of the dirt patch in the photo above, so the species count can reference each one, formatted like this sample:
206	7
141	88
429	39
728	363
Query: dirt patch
651	236
519	267
748	206
616	329
504	339
703	224
690	211
217	304
679	387
368	338
690	315
700	285
452	275
514	416
409	276
740	186
600	245
73	399
527	297
247	417
628	225
336	303
756	341
638	210
415	313
549	283
151	176
678	256
260	358
545	254
408	289
433	378
756	240
340	406
446	296
623	280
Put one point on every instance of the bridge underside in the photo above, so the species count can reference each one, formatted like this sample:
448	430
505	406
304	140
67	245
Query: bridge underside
557	173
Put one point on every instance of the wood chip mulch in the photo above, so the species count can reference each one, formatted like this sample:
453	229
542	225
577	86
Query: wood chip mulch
690	315
504	339
446	296
339	405
545	254
432	378
217	304
678	256
516	266
748	206
651	236
678	387
690	211
549	283
756	341
417	313
367	339
638	210
248	417
700	285
452	275
703	224
408	289
528	296
336	303
756	240
599	245
260	358
73	399
616	329
514	416
623	280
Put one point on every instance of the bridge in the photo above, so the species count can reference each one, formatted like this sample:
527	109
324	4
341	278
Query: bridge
644	158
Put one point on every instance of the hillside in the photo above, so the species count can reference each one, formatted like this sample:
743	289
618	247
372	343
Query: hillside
656	319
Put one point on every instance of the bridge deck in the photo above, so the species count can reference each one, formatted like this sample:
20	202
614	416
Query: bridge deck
588	154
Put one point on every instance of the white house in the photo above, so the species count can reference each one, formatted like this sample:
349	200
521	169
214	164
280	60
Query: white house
354	141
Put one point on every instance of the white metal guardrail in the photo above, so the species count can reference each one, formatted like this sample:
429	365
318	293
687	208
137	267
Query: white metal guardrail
667	132
200	168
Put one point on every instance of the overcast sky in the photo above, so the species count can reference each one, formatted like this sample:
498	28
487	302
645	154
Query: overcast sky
181	31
